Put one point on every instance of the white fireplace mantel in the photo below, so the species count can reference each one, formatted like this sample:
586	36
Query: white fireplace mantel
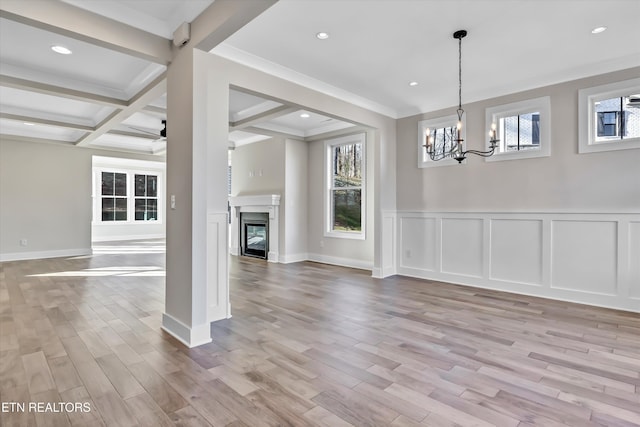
261	203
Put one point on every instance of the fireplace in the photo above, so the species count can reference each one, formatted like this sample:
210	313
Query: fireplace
254	234
245	207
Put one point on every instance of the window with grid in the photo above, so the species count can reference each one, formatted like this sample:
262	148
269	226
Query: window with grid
345	195
114	196
609	117
523	129
146	197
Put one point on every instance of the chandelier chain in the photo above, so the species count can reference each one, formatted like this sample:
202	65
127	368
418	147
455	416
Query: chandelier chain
459	75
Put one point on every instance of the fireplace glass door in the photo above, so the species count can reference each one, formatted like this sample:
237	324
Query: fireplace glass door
255	236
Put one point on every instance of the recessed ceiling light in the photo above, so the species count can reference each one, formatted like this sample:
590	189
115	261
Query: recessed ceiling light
413	83
598	30
28	124
305	115
61	50
322	35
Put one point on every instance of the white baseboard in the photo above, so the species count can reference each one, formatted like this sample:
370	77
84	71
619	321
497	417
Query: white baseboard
381	273
190	336
288	259
128	237
344	262
21	256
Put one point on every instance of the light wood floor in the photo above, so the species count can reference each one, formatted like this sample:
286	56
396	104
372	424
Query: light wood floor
308	345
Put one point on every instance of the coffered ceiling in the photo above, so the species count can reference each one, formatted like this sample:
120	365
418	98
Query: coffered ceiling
111	94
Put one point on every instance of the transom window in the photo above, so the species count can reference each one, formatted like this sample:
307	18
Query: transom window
523	128
345	187
520	132
617	118
442	131
609	117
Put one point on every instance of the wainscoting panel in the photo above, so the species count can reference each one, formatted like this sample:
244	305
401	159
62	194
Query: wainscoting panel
516	251
419	238
584	256
218	306
590	258
634	260
462	240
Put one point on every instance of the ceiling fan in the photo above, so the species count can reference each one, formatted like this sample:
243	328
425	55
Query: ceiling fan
162	136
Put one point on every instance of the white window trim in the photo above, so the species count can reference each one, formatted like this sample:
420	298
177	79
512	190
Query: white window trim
359	138
439	122
541	105
586	116
131	173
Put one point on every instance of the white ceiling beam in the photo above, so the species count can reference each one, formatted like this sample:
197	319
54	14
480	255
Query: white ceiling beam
37	120
152	91
20	138
70	21
47	89
223	18
155	110
133	134
265	116
268	132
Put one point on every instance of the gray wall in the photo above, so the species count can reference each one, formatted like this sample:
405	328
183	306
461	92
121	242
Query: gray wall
258	168
45	197
596	182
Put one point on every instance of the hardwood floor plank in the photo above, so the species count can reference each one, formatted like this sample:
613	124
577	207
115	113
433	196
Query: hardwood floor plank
146	411
188	417
164	395
39	378
64	374
49	417
125	384
324	418
82	417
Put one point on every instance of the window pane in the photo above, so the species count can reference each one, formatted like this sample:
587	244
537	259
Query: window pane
347	210
146	209
120	184
631	116
108	209
618	118
528	124
107	183
121	209
140	185
140	209
152	183
152	209
510	133
443	139
347	165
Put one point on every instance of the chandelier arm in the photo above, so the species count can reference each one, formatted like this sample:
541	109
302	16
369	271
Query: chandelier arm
480	153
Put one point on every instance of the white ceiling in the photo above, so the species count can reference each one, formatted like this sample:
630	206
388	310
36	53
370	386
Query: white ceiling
375	48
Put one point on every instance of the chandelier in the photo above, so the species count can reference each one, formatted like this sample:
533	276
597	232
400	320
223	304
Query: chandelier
453	139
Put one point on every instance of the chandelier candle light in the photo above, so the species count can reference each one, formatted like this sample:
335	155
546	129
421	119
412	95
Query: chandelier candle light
456	142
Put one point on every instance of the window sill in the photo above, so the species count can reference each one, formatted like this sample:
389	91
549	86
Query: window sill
345	235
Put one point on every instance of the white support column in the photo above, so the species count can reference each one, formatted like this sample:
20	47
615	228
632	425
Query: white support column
197	285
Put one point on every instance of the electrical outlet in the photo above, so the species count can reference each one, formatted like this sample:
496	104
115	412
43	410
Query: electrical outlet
408	253
173	201
23	242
